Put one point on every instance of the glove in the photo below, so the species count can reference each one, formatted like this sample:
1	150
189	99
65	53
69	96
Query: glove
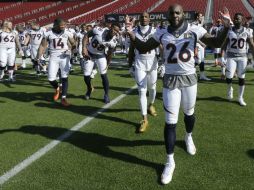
161	70
222	61
132	71
21	53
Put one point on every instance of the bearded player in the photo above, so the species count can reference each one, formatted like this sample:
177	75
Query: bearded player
180	80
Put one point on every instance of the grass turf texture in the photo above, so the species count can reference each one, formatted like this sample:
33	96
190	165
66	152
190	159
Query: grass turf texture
107	153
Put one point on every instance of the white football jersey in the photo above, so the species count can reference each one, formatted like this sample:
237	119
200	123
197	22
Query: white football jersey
80	36
100	36
178	48
36	36
143	33
22	37
7	39
58	43
72	31
237	45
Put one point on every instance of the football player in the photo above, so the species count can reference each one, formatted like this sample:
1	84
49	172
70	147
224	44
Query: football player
22	33
200	48
57	40
250	30
180	80
9	42
80	37
34	37
236	52
99	51
214	32
145	66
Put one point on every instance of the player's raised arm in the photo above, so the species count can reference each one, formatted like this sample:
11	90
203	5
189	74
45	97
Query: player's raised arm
142	47
220	39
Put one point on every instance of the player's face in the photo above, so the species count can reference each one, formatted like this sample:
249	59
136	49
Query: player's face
61	27
175	16
83	28
89	28
115	30
144	19
9	25
238	20
200	17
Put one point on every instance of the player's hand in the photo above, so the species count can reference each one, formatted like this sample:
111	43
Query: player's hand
86	55
161	70
132	71
129	23
21	53
222	62
225	17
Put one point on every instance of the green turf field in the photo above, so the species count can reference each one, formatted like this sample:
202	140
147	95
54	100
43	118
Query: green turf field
107	153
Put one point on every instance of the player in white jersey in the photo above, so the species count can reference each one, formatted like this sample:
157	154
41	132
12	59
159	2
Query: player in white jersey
180	80
99	51
145	70
35	35
200	48
9	42
73	59
214	32
80	37
236	50
22	33
57	40
250	52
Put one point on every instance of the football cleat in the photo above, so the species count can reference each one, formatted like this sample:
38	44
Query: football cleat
242	102
57	94
167	174
152	110
11	79
143	126
65	103
106	99
204	77
87	95
230	94
191	149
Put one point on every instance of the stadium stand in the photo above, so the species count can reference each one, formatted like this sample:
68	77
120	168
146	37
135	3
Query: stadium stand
251	2
197	5
91	10
234	6
120	6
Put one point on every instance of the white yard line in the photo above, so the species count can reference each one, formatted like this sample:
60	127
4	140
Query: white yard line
41	152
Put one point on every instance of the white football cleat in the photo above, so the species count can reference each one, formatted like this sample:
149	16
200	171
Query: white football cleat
191	149
242	102
204	78
230	94
167	174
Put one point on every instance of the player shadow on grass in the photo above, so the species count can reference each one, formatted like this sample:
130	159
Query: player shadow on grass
90	111
217	99
27	97
250	153
94	143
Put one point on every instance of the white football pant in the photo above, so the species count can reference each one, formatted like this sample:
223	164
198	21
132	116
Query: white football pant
58	61
7	56
173	98
237	63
